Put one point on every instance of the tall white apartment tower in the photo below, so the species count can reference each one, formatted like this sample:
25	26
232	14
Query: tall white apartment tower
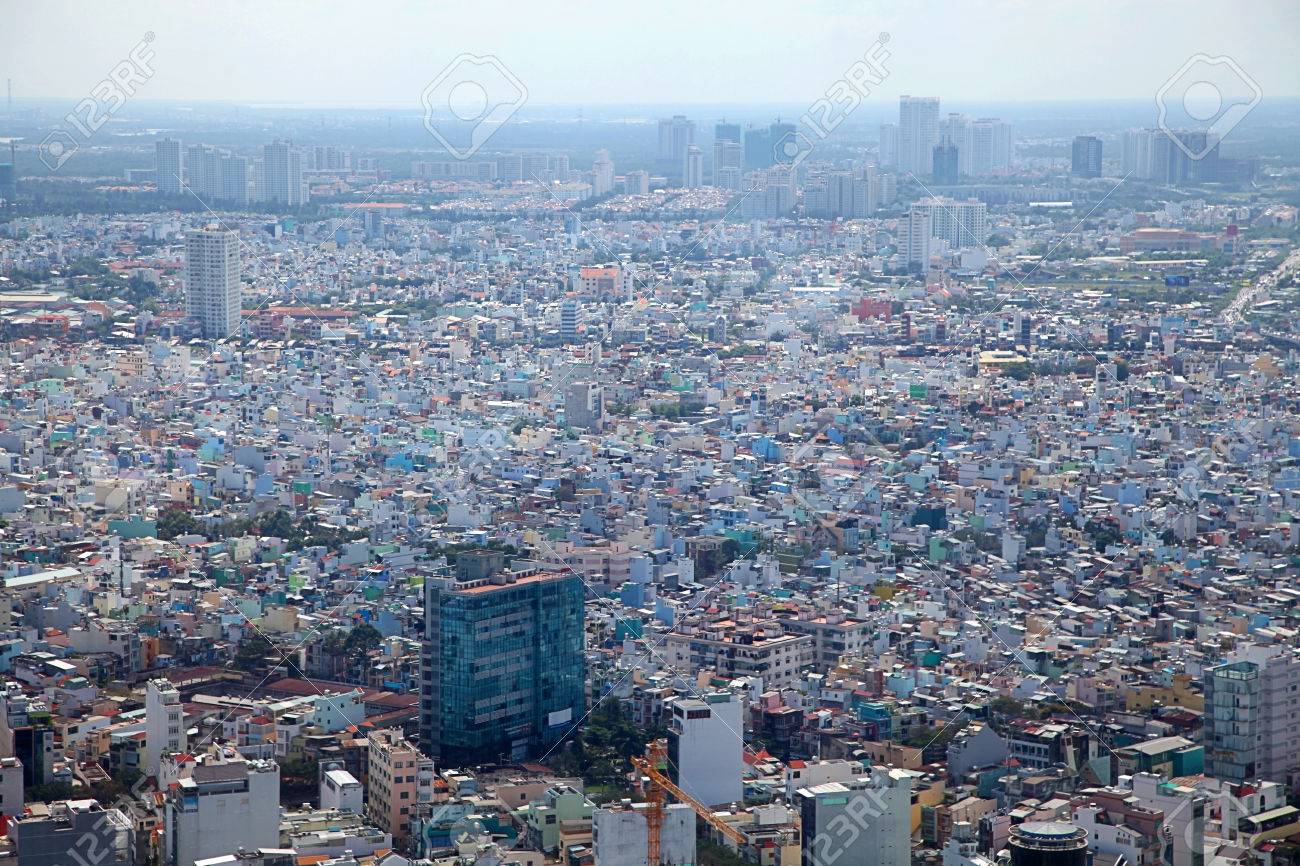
602	174
164	723
918	133
693	170
282	181
212	270
914	233
168	169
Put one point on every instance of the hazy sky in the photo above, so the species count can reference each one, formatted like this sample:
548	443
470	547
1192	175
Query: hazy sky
384	52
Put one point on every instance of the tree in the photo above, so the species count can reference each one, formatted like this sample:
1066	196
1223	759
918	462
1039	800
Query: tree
176	521
361	640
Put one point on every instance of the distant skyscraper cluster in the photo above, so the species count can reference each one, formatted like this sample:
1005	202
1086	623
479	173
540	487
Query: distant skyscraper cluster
923	144
217	176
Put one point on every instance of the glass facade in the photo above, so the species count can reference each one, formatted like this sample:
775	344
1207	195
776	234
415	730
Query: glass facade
1231	721
505	668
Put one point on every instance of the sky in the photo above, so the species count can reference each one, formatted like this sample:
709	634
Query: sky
386	52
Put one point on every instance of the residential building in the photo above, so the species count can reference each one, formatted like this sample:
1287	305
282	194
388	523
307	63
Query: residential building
213	291
401	778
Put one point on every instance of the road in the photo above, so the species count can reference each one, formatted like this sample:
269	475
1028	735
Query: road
1259	289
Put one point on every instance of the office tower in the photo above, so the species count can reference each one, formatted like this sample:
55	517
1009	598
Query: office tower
990	147
568	320
878	808
168	168
945	164
282	181
164	723
706	747
234	179
73	832
212	289
693	168
918	133
602	174
960	223
758	148
1048	843
1250	721
400	779
888	145
676	133
1085	156
886	188
727	132
914	233
503	668
636	183
222	806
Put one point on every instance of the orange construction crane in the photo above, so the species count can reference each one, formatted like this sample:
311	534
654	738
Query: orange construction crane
652	767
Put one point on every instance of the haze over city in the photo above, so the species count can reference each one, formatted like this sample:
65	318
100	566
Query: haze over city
676	434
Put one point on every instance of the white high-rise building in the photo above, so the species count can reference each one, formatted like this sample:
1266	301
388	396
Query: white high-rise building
164	723
282	181
889	145
878	810
727	154
223	805
918	133
636	182
234	179
676	133
960	223
212	290
991	146
168	168
693	170
602	174
914	232
706	749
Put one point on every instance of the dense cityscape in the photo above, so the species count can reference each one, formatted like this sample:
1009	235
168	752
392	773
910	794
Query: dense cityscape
896	479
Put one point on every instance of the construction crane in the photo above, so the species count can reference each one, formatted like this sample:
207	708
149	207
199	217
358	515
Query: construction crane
652	767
